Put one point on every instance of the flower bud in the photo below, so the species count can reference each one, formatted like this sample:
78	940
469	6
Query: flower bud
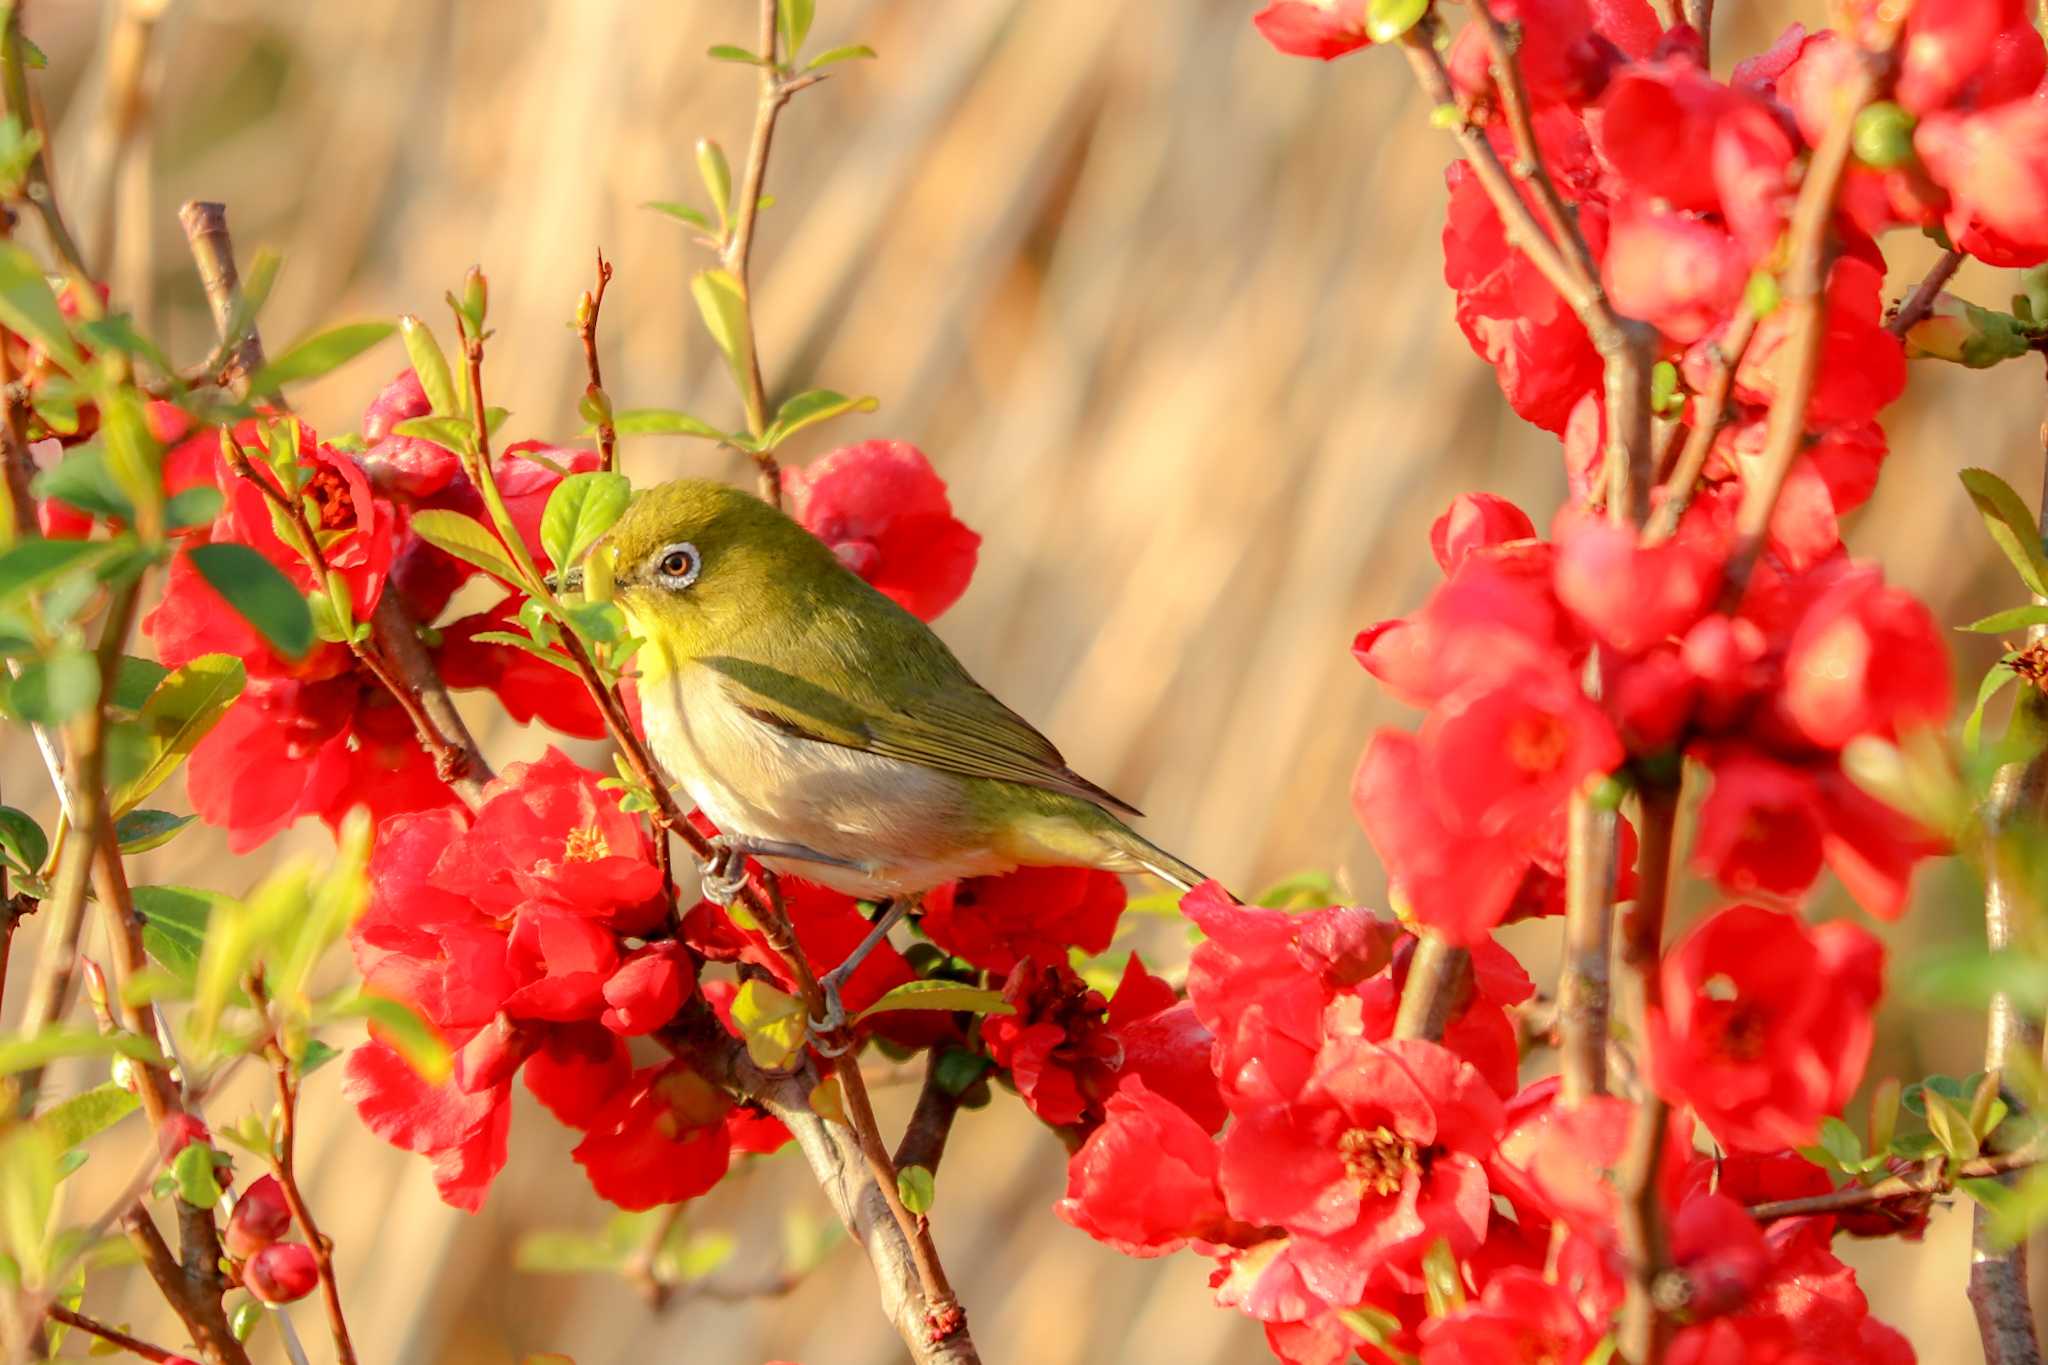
179	1131
1883	136
1964	334
96	992
476	296
261	1216
281	1272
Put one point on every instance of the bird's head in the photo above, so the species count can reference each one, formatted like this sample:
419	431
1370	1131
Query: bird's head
694	560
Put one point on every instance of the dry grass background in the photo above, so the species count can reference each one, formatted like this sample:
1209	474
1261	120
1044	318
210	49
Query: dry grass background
1165	309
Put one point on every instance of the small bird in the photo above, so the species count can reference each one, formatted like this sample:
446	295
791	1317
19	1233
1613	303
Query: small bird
827	731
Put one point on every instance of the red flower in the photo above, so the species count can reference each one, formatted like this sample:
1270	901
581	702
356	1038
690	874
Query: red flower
464	1133
1145	1180
1866	659
1654	127
405	465
1862	368
1377	1157
660	1141
576	1070
1475	521
1765	1023
885	514
1041	912
1631	597
1324	29
648	988
1521	1319
1675	271
1760	827
528	688
1969	53
829	926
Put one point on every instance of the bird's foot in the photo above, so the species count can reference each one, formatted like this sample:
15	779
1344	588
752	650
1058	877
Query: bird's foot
724	874
834	1018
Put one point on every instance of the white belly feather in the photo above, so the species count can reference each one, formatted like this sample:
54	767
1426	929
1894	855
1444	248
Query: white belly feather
880	814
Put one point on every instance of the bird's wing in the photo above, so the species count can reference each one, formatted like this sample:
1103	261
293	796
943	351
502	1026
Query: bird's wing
952	723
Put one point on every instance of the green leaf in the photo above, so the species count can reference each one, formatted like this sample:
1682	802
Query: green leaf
22	841
1387	20
84	480
794	18
1999	675
940	995
194	506
2011	526
431	365
315	1055
957	1070
1376	1325
663	422
1970	975
680	212
453	433
771	1022
723	304
700	1255
1839	1141
192	1174
73	1121
142	830
521	642
917	1190
51	690
260	594
33	563
810	408
726	52
118	332
2015	618
27	306
716	175
244	1320
40	1049
180	710
1950	1126
554	1252
28	1196
582	508
839	54
1443	1286
257	282
394	1022
310	357
134	459
134	680
174	920
467	539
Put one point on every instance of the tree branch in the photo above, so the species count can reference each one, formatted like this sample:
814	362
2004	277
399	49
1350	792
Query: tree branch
1709	414
36	186
113	1336
587	309
931	1123
1920	302
1936	1177
213	250
1583	992
1439	985
1645	1254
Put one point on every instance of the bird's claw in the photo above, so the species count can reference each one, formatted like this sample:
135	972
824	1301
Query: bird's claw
832	1021
724	874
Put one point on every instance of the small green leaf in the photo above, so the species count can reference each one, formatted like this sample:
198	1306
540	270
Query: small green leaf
134	681
467	539
118	332
2013	618
431	365
839	54
192	1174
521	642
315	1055
1950	1126
22	841
680	212
1998	677
582	508
716	175
182	707
134	459
723	304
174	920
1665	398
194	506
957	1070
917	1190
726	52
810	408
794	18
40	1049
451	433
260	594
1884	1115
663	422
243	1321
1839	1140
940	995
771	1022
71	1122
27	306
84	480
2011	526
142	830
699	1256
32	564
1387	20
51	690
394	1022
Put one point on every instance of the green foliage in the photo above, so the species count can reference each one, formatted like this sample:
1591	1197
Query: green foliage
582	508
916	1188
260	594
771	1022
397	1024
454	433
51	690
716	174
793	18
69	1123
23	845
2012	527
83	479
663	422
192	1175
174	920
142	830
28	307
310	357
181	708
847	53
431	365
25	1053
808	409
682	213
940	995
467	539
33	564
723	304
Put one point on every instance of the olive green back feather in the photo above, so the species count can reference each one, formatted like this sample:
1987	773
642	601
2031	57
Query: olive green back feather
803	643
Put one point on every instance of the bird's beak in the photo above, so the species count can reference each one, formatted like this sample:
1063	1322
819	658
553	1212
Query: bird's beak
565	580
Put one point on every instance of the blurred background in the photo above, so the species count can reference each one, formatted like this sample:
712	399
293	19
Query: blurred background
1166	311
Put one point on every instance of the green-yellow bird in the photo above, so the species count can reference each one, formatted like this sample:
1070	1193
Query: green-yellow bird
827	731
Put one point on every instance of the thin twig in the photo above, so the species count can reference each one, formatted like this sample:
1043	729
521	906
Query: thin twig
639	1268
943	1314
1920	302
36	186
1937	1176
1583	988
1700	14
122	114
1709	414
1439	985
931	1122
587	309
213	250
1645	1253
111	1335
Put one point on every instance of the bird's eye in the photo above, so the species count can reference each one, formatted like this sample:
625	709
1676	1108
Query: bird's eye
678	565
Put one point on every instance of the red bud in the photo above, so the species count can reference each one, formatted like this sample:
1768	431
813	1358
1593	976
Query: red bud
281	1272
261	1216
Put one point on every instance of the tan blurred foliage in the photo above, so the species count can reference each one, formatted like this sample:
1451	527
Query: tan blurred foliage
1164	308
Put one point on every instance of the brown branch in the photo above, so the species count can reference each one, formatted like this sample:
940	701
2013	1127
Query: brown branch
1439	985
1804	294
1645	1252
36	184
931	1123
587	309
126	106
639	1270
1700	14
1937	1176
943	1314
213	249
1583	992
1920	302
113	1336
1709	414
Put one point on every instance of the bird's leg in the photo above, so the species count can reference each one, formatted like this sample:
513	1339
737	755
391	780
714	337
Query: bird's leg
829	985
724	873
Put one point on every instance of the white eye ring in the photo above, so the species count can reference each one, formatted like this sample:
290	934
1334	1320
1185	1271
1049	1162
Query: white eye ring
677	568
